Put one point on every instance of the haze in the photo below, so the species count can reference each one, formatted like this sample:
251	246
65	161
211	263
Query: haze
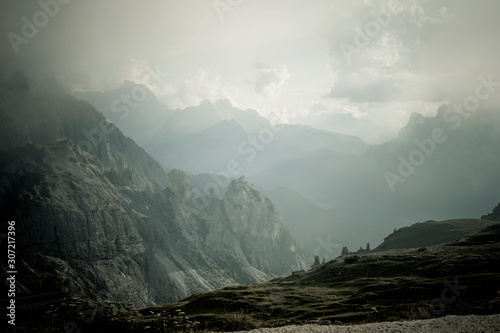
281	58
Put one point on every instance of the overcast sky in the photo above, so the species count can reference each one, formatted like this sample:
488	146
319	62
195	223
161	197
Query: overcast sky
301	60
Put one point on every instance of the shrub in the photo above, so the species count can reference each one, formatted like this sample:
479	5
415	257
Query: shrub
240	321
351	259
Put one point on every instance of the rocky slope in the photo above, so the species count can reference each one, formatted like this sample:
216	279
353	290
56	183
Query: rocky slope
132	107
100	225
51	115
495	215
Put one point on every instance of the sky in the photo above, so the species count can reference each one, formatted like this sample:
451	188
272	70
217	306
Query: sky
355	67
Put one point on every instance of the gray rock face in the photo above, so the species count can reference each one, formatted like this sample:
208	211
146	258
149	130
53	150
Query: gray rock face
74	229
52	115
98	225
260	229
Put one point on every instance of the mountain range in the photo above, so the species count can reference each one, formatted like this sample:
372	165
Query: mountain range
96	216
204	138
437	167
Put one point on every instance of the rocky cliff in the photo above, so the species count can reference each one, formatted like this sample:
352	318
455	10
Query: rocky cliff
494	216
50	115
98	223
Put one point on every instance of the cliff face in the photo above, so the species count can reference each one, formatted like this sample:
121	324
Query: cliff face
74	229
92	224
260	229
52	115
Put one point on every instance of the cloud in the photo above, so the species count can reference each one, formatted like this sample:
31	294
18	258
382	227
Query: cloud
424	51
374	122
193	91
269	81
175	93
430	51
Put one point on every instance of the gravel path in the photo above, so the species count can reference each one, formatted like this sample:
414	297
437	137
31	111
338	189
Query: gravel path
448	324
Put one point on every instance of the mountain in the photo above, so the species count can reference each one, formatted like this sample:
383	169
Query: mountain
210	149
305	138
207	151
495	215
453	279
194	119
451	159
432	233
435	168
132	107
249	119
52	115
319	175
204	138
315	227
109	223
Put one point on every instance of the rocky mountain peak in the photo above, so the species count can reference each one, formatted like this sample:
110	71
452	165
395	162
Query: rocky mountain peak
416	119
207	104
494	216
415	125
179	183
223	103
239	186
251	208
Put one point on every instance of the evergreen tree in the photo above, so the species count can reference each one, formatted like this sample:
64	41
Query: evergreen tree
316	260
368	247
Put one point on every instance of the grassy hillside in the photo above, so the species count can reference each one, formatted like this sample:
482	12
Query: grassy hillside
432	233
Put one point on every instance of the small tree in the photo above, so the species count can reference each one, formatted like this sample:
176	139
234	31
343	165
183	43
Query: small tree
368	247
345	251
323	260
316	260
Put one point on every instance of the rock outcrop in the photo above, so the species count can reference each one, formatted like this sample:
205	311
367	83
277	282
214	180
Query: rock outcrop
494	216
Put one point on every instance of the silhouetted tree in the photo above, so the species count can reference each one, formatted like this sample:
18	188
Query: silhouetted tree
323	260
368	247
316	261
345	251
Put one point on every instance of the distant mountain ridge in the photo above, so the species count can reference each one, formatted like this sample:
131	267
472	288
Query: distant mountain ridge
225	133
455	177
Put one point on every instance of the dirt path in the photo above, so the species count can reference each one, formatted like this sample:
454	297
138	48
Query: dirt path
448	324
